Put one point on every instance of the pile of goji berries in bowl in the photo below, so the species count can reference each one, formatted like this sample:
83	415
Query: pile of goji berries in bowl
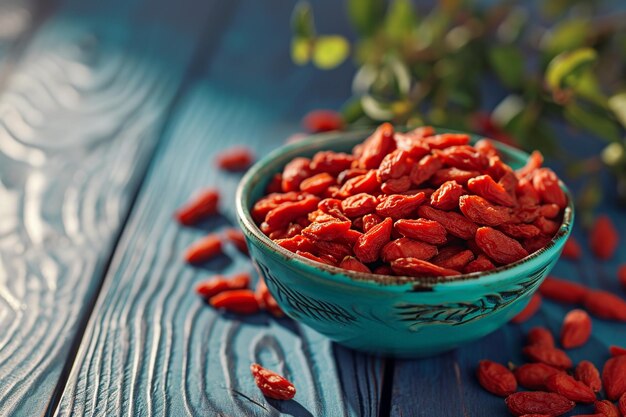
403	243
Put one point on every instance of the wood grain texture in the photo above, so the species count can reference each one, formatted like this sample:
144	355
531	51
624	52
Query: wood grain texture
79	119
152	347
447	385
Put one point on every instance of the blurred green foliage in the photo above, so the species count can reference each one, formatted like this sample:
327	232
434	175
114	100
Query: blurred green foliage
558	59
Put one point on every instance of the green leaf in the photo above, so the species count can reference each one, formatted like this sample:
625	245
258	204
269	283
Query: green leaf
302	22
400	20
617	104
330	51
352	111
375	109
366	15
586	85
568	35
567	64
508	64
597	124
300	50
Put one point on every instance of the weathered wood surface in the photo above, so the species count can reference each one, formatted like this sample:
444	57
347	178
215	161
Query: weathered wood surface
79	118
152	347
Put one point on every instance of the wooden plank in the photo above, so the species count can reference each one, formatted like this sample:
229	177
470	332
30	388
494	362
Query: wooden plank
79	120
446	384
152	347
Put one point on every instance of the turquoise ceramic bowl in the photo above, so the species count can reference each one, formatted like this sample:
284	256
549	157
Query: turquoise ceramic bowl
399	316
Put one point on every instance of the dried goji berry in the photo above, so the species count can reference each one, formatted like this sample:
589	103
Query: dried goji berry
446	140
412	143
358	205
198	208
452	174
550	356
454	223
284	214
533	375
424	169
621	275
312	257
447	196
549	211
614	377
499	246
204	249
549	403
335	249
480	211
587	373
604	238
219	283
563	291
296	243
271	384
235	159
531	308
487	188
464	157
576	329
520	230
397	206
480	264
347	174
407	248
331	162
317	121
428	231
617	350
353	264
266	300
487	147
568	387
454	260
606	409
396	186
294	173
369	245
526	194
622	404
329	230
366	183
533	163
605	305
271	201
540	336
237	238
496	378
571	249
371	220
383	270
545	226
536	243
547	185
379	144
417	268
236	301
394	165
317	184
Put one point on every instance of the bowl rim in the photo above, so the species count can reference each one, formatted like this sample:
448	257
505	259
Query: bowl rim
320	142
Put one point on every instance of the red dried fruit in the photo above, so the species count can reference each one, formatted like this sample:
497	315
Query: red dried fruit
417	268
576	329
540	336
296	243
424	169
487	147
550	356
563	291
496	378
353	264
369	245
454	223
331	162
236	301
446	140
499	246
317	121
266	300
219	283
563	384
412	142
606	409
317	184
536	243
464	157
329	230
198	208
285	213
407	248
371	220
310	256
428	231
396	186
526	194
374	149
617	350
456	261
480	211
531	308
614	377
452	174
549	211
547	185
587	373
366	183
204	249
549	403
605	305
533	375
480	264
604	238
294	173
271	201
447	196
621	275
534	162
335	249
358	205
235	159
622	404
547	227
487	188
271	384
384	270
275	184
397	206
237	238
520	231
394	165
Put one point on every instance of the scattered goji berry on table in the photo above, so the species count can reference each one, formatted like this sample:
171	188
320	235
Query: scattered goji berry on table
219	283
235	159
587	373
204	249
271	384
605	305
496	378
540	336
572	249
533	375
576	329
567	386
604	238
564	291
236	301
531	308
617	350
622	404
237	238
606	409
549	403
199	207
548	355
614	377
266	300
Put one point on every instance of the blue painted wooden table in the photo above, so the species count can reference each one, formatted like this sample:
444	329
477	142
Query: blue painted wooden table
111	114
